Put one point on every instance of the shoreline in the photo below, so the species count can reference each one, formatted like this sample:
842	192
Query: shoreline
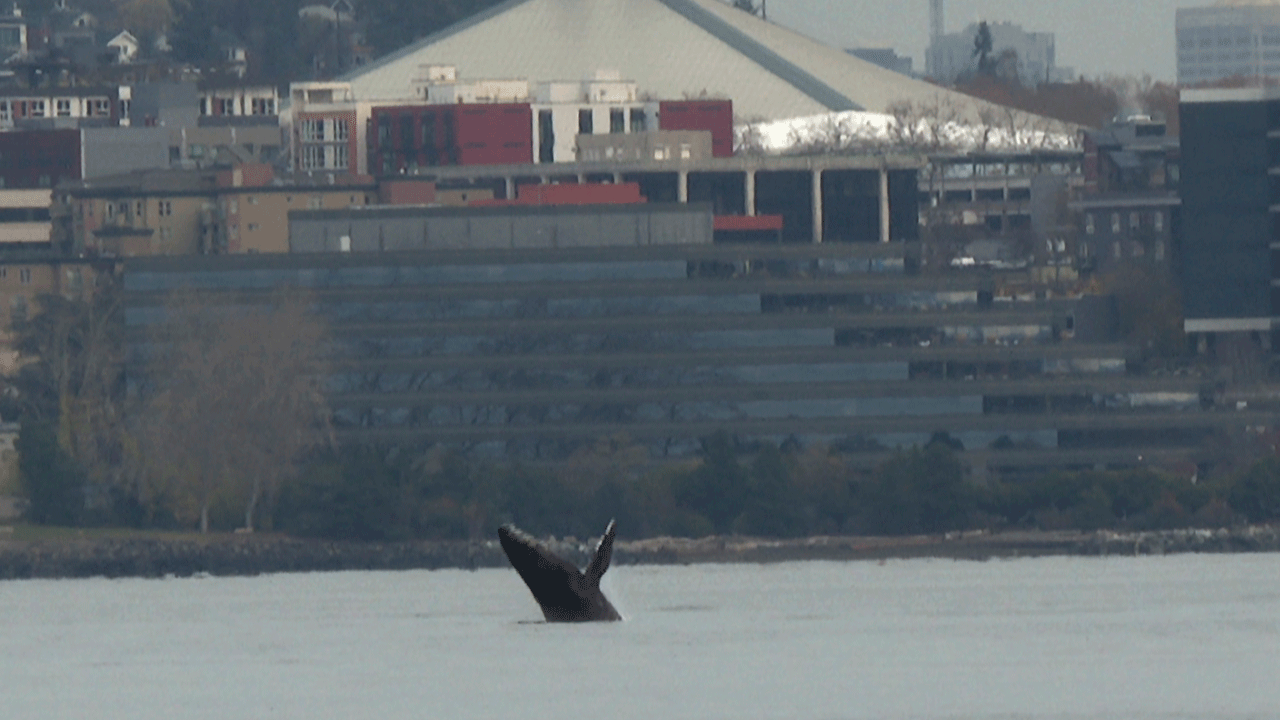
247	554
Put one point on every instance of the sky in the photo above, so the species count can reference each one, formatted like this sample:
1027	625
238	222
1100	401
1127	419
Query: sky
1096	37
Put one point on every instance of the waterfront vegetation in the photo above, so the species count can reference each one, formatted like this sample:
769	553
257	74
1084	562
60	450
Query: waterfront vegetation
253	450
374	494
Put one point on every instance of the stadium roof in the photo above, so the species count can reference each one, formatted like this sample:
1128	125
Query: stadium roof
672	49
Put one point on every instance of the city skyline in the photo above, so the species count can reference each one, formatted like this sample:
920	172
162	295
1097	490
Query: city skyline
1095	38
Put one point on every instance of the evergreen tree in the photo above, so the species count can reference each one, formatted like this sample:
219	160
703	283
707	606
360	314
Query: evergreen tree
983	47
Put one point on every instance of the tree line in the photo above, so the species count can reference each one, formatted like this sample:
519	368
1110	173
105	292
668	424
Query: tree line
226	427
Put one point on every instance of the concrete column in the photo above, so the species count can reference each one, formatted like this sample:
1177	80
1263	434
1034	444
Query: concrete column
510	183
682	186
749	192
817	206
885	227
617	178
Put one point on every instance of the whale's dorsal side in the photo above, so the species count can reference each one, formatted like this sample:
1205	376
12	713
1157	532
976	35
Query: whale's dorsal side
564	593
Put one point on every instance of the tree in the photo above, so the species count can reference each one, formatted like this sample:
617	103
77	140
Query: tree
770	508
233	400
918	491
392	24
72	382
53	484
982	48
717	488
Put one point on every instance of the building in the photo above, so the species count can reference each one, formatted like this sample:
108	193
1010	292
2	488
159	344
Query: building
678	49
998	193
243	209
531	353
449	122
13	33
951	56
658	145
1128	203
406	137
39	159
1229	262
829	198
1230	39
63	106
327	128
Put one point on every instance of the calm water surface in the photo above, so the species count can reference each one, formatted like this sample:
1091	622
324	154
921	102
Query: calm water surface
1062	638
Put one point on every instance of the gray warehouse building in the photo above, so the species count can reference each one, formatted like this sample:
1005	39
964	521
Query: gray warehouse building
394	228
531	353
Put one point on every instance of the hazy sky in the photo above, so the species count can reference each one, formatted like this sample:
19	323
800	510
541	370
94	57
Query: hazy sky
1096	37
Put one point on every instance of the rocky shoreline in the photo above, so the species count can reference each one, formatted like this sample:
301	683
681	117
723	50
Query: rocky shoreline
257	554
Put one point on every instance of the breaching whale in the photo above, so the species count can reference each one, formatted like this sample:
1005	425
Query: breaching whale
565	593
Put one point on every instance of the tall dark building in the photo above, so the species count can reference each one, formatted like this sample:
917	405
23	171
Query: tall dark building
1230	235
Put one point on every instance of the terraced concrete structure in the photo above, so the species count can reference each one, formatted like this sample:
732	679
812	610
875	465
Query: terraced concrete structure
529	354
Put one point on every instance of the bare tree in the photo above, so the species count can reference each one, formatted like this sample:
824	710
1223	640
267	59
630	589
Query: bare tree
234	399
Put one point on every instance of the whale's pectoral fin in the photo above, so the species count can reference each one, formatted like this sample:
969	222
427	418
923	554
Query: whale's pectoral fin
604	553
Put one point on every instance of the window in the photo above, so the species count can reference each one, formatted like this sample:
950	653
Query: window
586	121
340	157
617	121
313	130
62	106
1089	227
253	227
312	157
234	207
1115	249
638	122
24	276
124	108
315	202
1157	221
164	208
1115	224
1159	250
5	112
225	106
35	108
4	272
1135	220
546	137
139	210
264	106
340	130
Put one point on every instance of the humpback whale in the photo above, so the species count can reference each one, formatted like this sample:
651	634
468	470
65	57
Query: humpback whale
565	593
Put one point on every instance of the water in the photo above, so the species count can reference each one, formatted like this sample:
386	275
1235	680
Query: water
1057	638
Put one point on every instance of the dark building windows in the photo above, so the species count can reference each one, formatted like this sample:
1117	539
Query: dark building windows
546	137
